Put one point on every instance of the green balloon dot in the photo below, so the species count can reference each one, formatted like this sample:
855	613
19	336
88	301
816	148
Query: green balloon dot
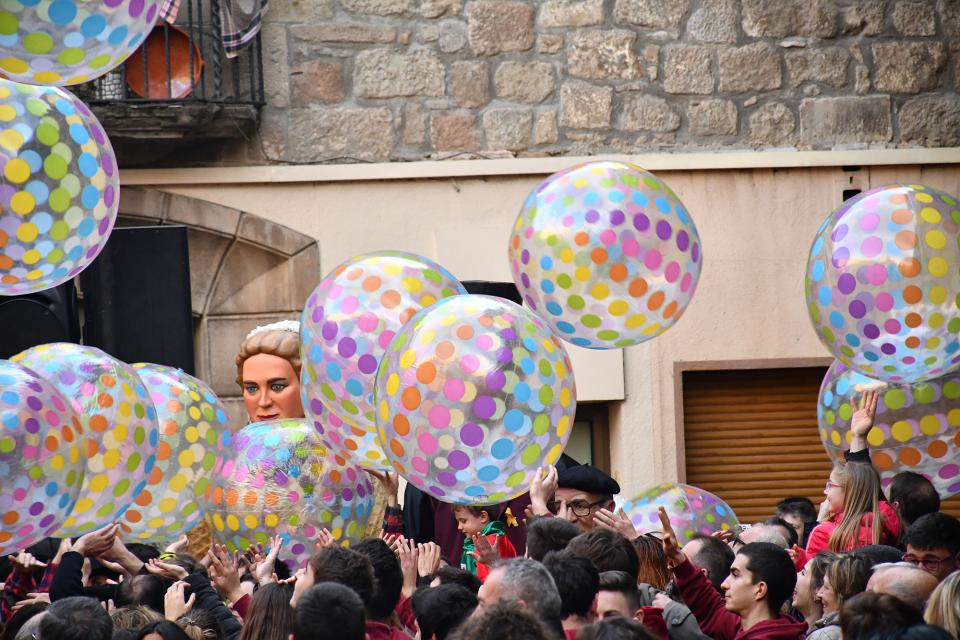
828	334
951	390
626	178
515	478
121	487
7	445
652	182
545	369
55	167
541	424
546	395
831	417
8	23
575	302
48	134
350	408
564	281
71	56
552	240
894	399
846	412
924	393
590	320
531	454
105	510
608	334
55	256
327	392
38	43
954	326
133	462
99	61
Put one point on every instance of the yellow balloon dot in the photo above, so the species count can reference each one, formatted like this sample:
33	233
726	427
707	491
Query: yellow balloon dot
194	413
233	523
652	328
155	523
31	257
599	291
99	482
178	482
901	430
384	411
412	285
930	425
111	458
83	505
251	521
635	321
191	433
935	320
56	462
618	308
120	433
938	294
938	267
217	522
566	254
554	454
27	232
935	239
271	519
930	214
11	139
564	397
408	358
22	202
17	170
582	274
427	336
186	458
835	438
875	437
36	274
563	425
14	65
167	505
953	417
46	77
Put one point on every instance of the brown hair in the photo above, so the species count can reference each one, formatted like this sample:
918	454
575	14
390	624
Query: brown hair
275	342
653	562
943	607
861	487
848	575
494	512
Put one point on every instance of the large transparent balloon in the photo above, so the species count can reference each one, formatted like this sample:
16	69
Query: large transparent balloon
691	510
474	394
41	460
64	42
274	479
59	187
347	323
883	283
606	253
119	426
917	427
192	422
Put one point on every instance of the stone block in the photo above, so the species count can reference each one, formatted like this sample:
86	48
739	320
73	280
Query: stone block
470	83
772	125
648	113
931	121
827	66
784	18
585	106
500	26
414	124
510	129
202	214
530	82
827	122
908	67
270	235
754	67
276	71
545	129
380	7
317	82
344	33
326	134
454	131
914	18
143	203
549	43
861	80
654	14
570	13
949	11
686	69
206	253
452	36
862	18
274	124
387	73
714	21
439	8
603	55
253	281
303	11
712	118
305	266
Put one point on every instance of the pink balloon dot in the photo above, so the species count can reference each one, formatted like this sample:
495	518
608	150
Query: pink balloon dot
883	301
453	389
652	259
568	221
384	339
672	272
349	304
630	247
949	471
19	494
293	496
427	443
335	291
686	282
869	222
419	464
469	363
485	342
53	418
871	246
367	322
30	452
876	274
439	416
608	237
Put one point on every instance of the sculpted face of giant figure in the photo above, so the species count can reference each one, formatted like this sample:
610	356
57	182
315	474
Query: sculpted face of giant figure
268	372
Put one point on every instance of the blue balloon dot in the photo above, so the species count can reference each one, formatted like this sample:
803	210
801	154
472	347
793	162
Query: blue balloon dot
90	196
79	133
553	308
662	204
488	473
527	366
546	262
639	199
62	12
85	228
871	356
33	159
836	319
474	490
615	196
513	419
135	40
824	295
591	198
547	286
721	511
816	273
529	344
74	39
333	371
118	35
852	339
502	449
354	387
39	191
10	398
64	107
88	164
11	421
521	392
9	41
683	215
565	327
580	342
93	25
817	246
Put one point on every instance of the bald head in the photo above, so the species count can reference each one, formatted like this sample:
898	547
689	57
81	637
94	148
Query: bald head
911	584
764	533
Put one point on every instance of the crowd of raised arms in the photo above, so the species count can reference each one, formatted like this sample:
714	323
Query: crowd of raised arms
561	562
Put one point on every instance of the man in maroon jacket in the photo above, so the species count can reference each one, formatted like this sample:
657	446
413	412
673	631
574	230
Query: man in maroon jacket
761	579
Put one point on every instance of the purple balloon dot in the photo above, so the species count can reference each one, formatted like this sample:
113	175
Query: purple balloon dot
34	403
525	257
108	195
617	217
871	331
888	348
840	257
592	216
664	230
329	330
458	459
683	240
641	222
695	252
839	233
471	435
104	226
446	478
317	315
47	520
846	283
367	363
135	8
484	407
347	495
347	347
36	508
504	354
857	309
508	334
525	280
32	425
496	380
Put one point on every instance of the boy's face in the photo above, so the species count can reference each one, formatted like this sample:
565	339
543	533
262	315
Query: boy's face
469	524
740	593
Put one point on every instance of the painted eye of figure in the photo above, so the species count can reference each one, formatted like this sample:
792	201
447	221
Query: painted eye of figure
277	387
251	388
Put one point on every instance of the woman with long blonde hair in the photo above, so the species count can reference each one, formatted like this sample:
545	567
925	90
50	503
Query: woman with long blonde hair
943	607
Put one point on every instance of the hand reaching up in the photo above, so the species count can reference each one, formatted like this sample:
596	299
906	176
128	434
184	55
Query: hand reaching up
864	412
618	522
429	559
175	603
409	556
671	547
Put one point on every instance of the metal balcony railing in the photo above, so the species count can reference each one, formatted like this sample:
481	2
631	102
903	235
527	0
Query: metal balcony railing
183	63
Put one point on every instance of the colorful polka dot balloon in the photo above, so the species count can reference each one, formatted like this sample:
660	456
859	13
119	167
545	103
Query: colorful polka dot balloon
274	479
191	420
59	187
691	511
606	253
65	42
917	426
883	283
347	323
41	460
119	426
474	394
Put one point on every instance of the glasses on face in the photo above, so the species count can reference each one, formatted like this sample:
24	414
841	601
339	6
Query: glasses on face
831	485
927	562
580	508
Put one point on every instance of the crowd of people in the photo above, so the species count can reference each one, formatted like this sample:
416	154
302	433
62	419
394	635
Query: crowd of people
561	562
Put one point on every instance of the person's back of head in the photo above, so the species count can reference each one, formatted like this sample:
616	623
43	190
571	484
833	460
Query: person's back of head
329	611
76	618
142	551
21	617
943	606
714	557
577	582
913	496
548	534
134	616
862	494
144	590
765	533
165	629
785	528
881	553
848	575
529	581
910	583
623	583
653	568
389	577
608	550
770	564
504	621
269	615
869	613
799	506
614	629
200	624
455	575
346	567
441	609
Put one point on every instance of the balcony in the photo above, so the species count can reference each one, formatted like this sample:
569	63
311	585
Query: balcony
179	100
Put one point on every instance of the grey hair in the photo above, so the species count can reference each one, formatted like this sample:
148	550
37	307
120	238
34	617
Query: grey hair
528	580
30	628
908	586
767	533
883	566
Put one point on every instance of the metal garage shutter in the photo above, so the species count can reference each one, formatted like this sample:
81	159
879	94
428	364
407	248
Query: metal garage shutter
751	437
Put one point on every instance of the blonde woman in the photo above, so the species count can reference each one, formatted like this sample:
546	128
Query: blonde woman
943	607
268	372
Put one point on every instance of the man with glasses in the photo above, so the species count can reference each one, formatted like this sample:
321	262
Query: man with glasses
933	544
575	494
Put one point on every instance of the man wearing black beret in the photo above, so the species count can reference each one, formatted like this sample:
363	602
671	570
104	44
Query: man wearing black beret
575	494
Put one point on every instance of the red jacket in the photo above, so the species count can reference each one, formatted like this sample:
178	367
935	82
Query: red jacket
819	539
708	607
381	631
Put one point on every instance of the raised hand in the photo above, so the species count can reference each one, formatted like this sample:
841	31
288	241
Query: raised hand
618	522
263	571
166	569
178	545
223	573
32	598
542	488
175	603
409	555
483	550
97	542
390	482
25	562
429	559
864	412
325	539
671	547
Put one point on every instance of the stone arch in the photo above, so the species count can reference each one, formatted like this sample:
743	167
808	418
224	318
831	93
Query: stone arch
244	271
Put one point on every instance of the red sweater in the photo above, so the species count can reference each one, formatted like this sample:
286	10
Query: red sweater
710	611
819	539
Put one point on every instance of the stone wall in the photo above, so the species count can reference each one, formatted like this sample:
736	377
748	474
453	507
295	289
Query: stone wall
378	80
